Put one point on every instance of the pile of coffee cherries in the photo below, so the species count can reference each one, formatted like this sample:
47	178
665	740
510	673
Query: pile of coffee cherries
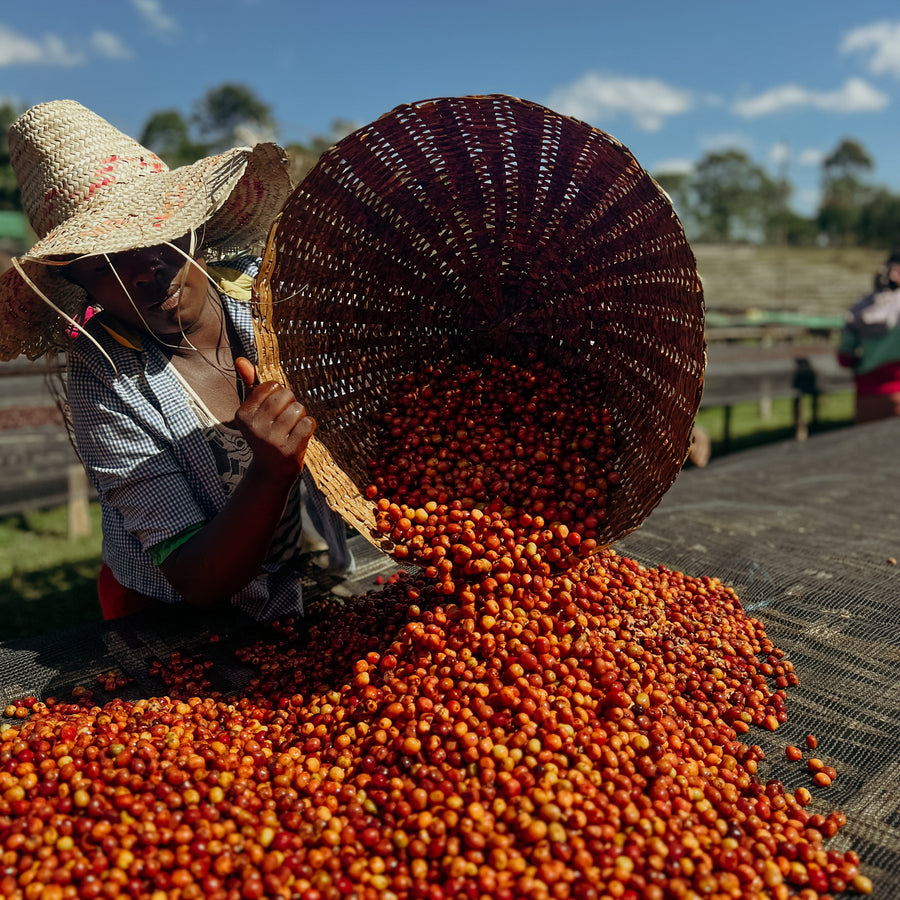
521	716
479	464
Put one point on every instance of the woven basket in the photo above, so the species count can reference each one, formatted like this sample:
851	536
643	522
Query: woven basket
483	223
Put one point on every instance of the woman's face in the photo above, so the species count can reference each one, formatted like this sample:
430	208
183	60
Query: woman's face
154	289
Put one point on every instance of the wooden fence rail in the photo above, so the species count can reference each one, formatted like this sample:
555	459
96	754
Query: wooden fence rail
737	375
41	469
39	465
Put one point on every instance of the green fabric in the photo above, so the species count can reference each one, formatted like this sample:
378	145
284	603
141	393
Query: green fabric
871	352
161	551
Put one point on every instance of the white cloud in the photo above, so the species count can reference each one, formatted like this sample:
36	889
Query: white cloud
882	41
780	154
595	98
110	46
856	95
732	140
160	22
811	157
674	167
50	50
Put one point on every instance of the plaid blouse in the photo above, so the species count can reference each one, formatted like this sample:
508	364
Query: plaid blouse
154	471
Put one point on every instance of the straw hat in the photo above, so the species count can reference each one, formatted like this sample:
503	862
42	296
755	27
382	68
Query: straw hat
89	189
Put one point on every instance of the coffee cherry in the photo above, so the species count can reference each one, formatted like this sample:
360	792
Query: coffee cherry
523	714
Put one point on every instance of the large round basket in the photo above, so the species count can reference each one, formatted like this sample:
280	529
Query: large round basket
483	223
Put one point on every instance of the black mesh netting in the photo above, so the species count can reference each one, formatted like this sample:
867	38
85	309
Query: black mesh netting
804	532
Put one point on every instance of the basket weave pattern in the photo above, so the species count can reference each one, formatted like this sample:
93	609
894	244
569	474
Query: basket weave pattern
471	225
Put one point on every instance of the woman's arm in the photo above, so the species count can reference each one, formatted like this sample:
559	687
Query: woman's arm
228	552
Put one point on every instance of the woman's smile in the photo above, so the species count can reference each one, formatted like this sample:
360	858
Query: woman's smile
171	301
158	289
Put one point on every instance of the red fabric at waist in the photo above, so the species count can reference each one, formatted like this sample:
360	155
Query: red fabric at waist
883	380
116	600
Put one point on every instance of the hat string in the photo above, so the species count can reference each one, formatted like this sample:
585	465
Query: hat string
189	257
79	328
65	316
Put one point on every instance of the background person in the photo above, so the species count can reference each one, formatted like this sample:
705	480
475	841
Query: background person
869	344
197	466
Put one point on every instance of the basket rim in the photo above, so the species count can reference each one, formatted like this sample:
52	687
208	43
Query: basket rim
325	457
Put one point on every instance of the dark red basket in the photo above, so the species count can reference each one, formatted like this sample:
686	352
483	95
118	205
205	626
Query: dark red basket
485	222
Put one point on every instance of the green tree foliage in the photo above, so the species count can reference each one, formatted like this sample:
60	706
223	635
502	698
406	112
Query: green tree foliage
9	189
845	192
232	115
878	224
730	198
678	187
167	134
305	156
735	198
797	230
227	116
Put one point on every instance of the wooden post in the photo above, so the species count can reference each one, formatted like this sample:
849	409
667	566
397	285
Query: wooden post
726	442
801	428
79	518
765	400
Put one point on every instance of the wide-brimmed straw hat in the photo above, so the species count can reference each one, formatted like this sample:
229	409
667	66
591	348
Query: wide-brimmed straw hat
89	189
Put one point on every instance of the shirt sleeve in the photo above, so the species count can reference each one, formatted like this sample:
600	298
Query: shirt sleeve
848	342
121	438
160	552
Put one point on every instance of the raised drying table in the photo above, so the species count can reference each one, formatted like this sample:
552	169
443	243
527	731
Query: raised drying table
803	531
807	534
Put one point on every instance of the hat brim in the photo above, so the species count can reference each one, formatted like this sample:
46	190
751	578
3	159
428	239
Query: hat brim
234	196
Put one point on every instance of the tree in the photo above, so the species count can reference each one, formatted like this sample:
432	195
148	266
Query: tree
304	156
879	220
844	191
232	115
798	231
848	161
678	187
9	188
735	199
166	134
228	116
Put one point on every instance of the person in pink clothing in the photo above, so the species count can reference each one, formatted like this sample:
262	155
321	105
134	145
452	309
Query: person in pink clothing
870	345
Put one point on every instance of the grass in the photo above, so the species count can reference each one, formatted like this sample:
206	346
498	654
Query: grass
48	582
748	427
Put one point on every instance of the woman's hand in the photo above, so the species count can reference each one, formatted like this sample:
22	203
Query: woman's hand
228	552
274	424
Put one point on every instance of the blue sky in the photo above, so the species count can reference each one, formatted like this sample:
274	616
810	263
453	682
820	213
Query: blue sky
783	81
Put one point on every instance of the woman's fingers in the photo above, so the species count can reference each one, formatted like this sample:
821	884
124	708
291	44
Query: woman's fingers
275	422
299	435
287	419
247	371
265	401
304	427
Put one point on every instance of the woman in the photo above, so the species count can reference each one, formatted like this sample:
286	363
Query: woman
196	464
869	344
